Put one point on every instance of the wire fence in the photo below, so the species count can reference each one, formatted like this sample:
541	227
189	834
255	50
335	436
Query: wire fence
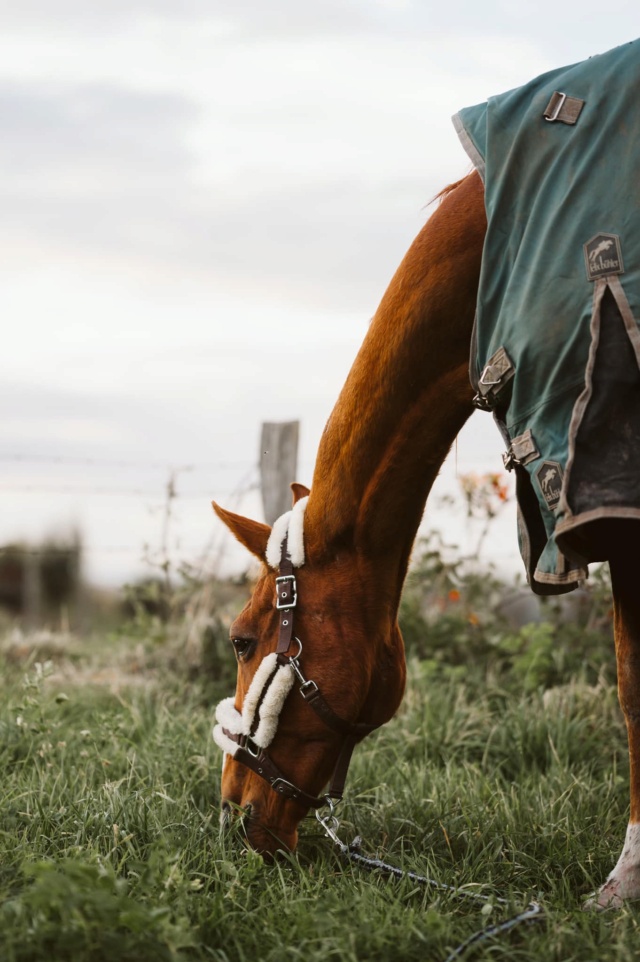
167	541
56	476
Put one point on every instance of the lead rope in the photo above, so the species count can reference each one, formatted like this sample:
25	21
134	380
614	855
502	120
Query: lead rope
532	913
278	555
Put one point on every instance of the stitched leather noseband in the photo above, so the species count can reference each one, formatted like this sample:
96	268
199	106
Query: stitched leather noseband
256	758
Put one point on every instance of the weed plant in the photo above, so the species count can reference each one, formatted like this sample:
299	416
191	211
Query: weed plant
504	773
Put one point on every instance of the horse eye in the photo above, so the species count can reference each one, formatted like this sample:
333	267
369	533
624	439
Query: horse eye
242	646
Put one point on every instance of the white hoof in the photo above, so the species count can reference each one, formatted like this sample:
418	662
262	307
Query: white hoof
607	897
623	885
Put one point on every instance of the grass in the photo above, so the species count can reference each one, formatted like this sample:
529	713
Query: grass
487	779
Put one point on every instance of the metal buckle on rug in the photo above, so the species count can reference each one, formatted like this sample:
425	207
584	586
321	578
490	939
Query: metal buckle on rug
563	109
481	403
522	450
496	374
555	104
509	460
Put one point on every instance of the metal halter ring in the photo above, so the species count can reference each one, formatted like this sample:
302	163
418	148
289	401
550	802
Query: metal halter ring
329	822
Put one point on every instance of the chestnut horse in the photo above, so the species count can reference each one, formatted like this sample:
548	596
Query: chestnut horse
404	401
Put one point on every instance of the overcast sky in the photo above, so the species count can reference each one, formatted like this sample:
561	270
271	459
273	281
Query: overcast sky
202	204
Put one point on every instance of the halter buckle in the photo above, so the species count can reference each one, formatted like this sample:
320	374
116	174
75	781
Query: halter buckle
285	594
283	787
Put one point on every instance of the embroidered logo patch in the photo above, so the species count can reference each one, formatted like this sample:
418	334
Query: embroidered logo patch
549	476
603	255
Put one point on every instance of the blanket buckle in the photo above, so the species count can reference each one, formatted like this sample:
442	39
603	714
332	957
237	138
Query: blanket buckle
563	109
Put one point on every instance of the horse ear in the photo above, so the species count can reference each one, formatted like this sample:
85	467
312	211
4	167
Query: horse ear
299	491
252	534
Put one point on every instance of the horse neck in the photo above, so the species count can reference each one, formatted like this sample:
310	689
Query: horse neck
405	399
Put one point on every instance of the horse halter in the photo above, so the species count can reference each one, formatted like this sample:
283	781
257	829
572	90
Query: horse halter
246	736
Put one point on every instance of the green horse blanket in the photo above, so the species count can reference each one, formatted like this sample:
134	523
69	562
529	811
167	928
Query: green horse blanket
556	347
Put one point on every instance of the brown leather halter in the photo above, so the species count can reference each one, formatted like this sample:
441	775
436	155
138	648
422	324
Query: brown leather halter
256	758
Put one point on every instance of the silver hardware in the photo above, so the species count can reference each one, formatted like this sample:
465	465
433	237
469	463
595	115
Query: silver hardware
481	403
308	688
293	661
524	448
559	106
294	592
329	822
331	804
296	667
496	374
564	109
509	460
281	784
484	381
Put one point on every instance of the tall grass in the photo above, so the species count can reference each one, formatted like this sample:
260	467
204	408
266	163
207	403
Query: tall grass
505	773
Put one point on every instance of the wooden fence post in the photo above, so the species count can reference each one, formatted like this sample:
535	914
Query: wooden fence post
278	466
32	588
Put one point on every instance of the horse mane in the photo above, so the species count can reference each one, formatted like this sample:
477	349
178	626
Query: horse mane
440	196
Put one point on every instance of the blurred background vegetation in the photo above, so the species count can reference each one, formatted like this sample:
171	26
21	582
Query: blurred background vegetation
458	614
506	769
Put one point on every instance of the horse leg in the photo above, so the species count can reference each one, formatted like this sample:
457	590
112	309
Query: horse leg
624	881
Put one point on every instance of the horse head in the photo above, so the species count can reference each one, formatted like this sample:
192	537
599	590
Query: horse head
309	690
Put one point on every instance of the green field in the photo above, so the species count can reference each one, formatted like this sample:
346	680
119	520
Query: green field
505	773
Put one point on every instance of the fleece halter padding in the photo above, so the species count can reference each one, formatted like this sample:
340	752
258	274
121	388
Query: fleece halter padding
245	735
272	681
290	526
261	709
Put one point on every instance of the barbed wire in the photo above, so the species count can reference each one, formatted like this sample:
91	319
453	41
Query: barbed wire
215	546
19	549
18	458
101	490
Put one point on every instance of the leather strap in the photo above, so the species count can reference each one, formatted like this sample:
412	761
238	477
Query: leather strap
262	765
316	701
286	597
259	762
266	768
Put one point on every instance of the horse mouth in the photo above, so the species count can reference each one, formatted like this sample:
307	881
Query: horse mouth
266	839
260	835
